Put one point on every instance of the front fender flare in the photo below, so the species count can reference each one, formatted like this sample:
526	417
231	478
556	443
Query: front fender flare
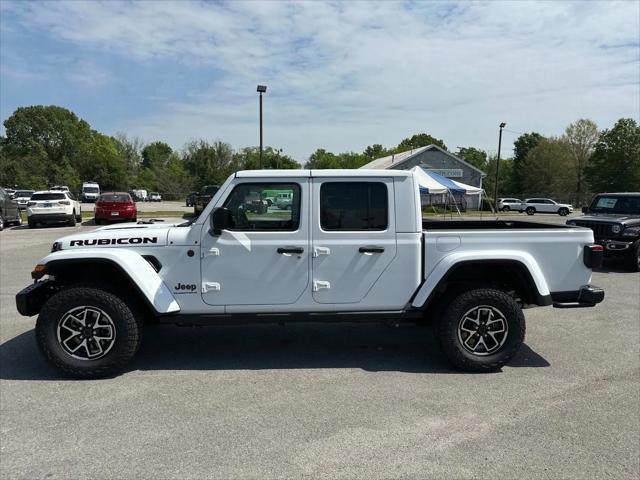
446	264
130	263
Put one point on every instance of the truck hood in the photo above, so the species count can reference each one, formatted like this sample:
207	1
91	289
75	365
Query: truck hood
122	235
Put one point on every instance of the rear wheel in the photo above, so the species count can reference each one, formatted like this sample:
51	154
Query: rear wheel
481	330
18	220
530	210
71	221
563	212
87	332
32	224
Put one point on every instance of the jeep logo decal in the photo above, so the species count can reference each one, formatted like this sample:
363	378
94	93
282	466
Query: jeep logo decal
113	241
185	288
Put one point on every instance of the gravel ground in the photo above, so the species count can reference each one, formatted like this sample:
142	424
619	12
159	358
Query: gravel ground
326	401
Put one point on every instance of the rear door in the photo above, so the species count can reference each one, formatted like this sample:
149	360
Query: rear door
353	237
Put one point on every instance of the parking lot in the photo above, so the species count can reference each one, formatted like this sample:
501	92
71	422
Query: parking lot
326	401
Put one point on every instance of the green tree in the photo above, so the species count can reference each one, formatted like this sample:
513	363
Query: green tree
210	164
321	159
417	141
505	180
129	151
581	138
477	158
249	159
549	169
375	151
101	162
156	154
615	164
521	147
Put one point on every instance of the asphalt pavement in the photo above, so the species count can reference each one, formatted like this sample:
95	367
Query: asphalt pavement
326	401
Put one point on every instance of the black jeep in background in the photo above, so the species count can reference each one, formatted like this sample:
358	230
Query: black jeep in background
204	197
615	221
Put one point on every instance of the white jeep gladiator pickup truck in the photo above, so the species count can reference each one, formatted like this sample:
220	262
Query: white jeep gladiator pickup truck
353	247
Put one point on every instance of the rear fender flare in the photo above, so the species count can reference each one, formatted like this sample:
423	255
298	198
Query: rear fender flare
450	262
131	264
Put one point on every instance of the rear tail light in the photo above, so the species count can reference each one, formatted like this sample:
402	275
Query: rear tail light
592	256
64	202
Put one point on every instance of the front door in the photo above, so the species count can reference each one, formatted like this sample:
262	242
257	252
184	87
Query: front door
263	258
353	239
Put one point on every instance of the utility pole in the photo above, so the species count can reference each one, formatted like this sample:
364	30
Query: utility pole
261	89
495	191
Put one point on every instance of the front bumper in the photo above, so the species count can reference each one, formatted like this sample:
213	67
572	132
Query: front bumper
30	300
587	296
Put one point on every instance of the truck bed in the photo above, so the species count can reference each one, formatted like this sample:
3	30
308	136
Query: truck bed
433	224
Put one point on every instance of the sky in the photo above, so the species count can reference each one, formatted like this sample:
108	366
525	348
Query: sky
340	75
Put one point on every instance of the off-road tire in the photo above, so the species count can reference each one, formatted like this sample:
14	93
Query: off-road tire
446	329
127	332
530	210
563	212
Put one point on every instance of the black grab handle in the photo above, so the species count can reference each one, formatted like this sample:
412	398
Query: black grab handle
297	250
371	249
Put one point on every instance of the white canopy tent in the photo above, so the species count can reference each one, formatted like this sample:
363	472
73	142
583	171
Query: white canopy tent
432	183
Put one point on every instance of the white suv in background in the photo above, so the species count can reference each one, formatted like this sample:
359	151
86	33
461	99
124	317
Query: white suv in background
545	205
53	206
507	204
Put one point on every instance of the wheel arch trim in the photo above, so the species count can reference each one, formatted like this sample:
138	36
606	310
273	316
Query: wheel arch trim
447	266
131	264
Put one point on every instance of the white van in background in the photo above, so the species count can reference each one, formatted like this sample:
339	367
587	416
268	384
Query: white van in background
90	192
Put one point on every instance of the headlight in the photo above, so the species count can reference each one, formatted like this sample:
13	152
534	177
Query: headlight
56	247
616	229
631	232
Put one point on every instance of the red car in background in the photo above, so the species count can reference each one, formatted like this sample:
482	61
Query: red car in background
115	206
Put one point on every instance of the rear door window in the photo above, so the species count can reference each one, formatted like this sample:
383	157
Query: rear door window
48	196
354	206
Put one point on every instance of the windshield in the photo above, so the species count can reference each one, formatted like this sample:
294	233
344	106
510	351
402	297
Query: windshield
23	193
48	196
114	197
211	190
620	204
91	190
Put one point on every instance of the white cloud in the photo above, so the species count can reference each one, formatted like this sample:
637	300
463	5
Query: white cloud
344	75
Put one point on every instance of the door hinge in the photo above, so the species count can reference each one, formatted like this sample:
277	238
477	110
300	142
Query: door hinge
321	285
213	251
317	251
211	287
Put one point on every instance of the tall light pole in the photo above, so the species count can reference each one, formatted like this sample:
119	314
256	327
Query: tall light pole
495	191
261	89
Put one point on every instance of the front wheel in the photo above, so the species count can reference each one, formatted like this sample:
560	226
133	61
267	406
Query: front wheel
634	257
506	208
481	330
530	210
87	332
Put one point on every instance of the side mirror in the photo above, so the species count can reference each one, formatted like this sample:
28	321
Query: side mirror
585	209
220	220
